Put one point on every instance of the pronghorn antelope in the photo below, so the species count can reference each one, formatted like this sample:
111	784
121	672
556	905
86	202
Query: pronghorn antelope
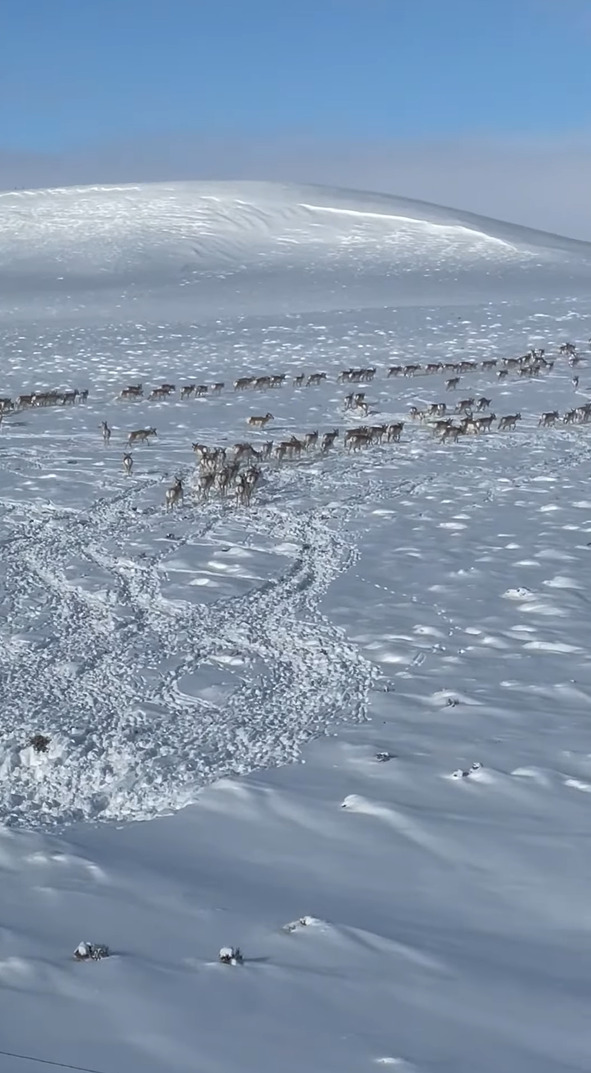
464	405
298	381
484	424
159	393
509	422
201	390
410	370
267	449
395	370
434	367
436	409
315	378
187	391
243	382
258	421
310	440
141	435
452	383
482	404
174	494
244	450
132	391
217	387
502	374
490	363
127	464
328	439
106	431
549	418
394	432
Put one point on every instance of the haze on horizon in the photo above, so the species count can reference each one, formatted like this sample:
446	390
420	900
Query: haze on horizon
485	108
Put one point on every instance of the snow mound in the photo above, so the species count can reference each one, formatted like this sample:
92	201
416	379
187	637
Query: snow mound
69	243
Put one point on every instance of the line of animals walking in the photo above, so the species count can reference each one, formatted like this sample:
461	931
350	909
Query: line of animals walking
236	471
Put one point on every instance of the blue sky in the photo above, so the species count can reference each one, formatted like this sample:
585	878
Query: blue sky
152	89
76	72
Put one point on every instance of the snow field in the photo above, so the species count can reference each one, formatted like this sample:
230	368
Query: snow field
388	619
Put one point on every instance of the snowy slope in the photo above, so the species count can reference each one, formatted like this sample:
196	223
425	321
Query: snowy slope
284	697
261	247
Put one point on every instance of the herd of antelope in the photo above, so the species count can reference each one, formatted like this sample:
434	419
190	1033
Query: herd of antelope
236	471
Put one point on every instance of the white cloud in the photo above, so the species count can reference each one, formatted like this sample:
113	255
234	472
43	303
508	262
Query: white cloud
537	183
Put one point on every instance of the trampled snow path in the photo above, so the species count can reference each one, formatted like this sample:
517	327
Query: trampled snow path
126	740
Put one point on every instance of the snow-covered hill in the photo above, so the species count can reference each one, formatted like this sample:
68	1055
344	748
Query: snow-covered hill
262	248
349	721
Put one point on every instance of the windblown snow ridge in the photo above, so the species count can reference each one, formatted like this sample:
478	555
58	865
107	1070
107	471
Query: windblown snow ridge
279	246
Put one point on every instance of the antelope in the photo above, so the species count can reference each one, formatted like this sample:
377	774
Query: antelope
315	378
434	367
410	370
187	391
243	382
490	363
502	374
106	431
509	422
262	382
482	404
452	383
310	440
69	397
549	418
159	393
328	439
244	450
217	387
83	395
395	370
174	494
394	432
141	435
267	449
20	401
127	464
464	405
201	390
278	380
132	391
298	381
451	433
484	424
260	422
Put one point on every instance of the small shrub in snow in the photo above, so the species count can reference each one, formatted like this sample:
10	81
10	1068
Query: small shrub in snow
230	955
91	952
383	757
302	922
39	742
460	774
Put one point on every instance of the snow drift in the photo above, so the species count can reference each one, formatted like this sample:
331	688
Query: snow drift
263	247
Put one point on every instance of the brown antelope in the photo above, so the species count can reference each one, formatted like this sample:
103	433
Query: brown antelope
482	404
127	464
452	383
174	494
490	363
201	390
141	435
484	424
394	432
502	374
549	418
243	382
187	391
69	397
464	405
315	378
328	439
509	422
259	422
132	391
106	431
159	393
298	381
395	370
267	449
310	440
217	387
